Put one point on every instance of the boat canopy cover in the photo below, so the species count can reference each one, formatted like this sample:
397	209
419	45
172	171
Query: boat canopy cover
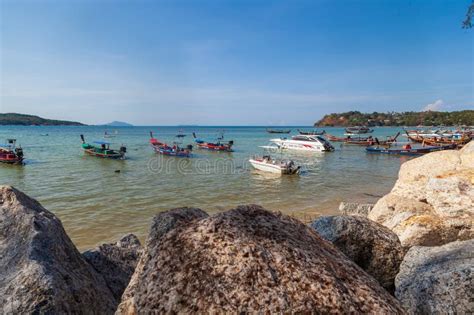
102	142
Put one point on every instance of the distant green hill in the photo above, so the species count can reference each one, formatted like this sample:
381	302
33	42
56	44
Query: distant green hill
430	118
30	120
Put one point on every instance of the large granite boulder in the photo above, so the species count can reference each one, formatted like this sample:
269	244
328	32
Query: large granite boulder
116	262
247	260
162	223
432	202
41	270
438	280
370	245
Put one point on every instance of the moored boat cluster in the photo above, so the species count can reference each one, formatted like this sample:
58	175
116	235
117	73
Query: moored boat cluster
308	141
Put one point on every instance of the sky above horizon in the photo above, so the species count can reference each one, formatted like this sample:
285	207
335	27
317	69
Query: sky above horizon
232	62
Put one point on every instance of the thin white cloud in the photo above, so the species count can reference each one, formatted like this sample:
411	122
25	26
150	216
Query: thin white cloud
435	106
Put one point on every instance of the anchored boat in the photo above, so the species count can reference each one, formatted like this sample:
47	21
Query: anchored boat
408	150
304	143
102	149
358	130
268	164
214	145
440	141
278	130
10	153
165	149
312	132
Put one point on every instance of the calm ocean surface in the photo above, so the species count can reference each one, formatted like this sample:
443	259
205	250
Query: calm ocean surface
96	204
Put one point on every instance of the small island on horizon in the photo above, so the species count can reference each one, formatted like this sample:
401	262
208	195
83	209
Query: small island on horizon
31	120
117	124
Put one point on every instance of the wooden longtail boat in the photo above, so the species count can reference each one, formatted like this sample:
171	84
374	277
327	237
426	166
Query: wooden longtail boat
10	154
439	141
364	141
358	130
164	149
311	133
214	145
278	130
343	139
408	150
102	149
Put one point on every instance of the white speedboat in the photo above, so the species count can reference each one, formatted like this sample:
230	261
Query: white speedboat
267	164
304	143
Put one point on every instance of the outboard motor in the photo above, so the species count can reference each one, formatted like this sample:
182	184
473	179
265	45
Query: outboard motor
123	150
82	138
231	142
189	147
19	152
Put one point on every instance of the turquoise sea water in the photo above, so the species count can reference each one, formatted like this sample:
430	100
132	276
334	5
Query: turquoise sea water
96	204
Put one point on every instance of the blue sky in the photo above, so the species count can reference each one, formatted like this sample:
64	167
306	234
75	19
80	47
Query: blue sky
232	62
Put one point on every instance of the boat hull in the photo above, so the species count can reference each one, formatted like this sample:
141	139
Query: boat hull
215	147
172	152
417	151
273	168
10	158
306	146
105	155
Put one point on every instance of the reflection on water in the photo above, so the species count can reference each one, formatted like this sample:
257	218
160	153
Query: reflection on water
97	204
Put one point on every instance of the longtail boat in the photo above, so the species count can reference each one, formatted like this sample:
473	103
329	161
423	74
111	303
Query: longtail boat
214	145
165	149
311	133
358	130
440	141
372	141
278	130
364	141
408	150
10	154
102	149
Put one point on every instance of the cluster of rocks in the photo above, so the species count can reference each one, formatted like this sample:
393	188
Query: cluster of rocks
248	259
417	241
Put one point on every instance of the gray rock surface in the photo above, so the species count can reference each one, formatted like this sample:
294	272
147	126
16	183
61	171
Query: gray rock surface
116	262
247	260
370	245
432	202
41	270
354	208
438	280
162	224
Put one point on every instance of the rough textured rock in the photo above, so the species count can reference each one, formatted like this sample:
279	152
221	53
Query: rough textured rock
116	262
438	280
40	269
248	260
162	223
372	246
353	208
432	203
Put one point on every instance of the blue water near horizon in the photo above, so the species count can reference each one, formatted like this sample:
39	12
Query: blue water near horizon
96	204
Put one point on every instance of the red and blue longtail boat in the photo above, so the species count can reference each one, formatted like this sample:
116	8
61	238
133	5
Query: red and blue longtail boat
214	145
165	149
